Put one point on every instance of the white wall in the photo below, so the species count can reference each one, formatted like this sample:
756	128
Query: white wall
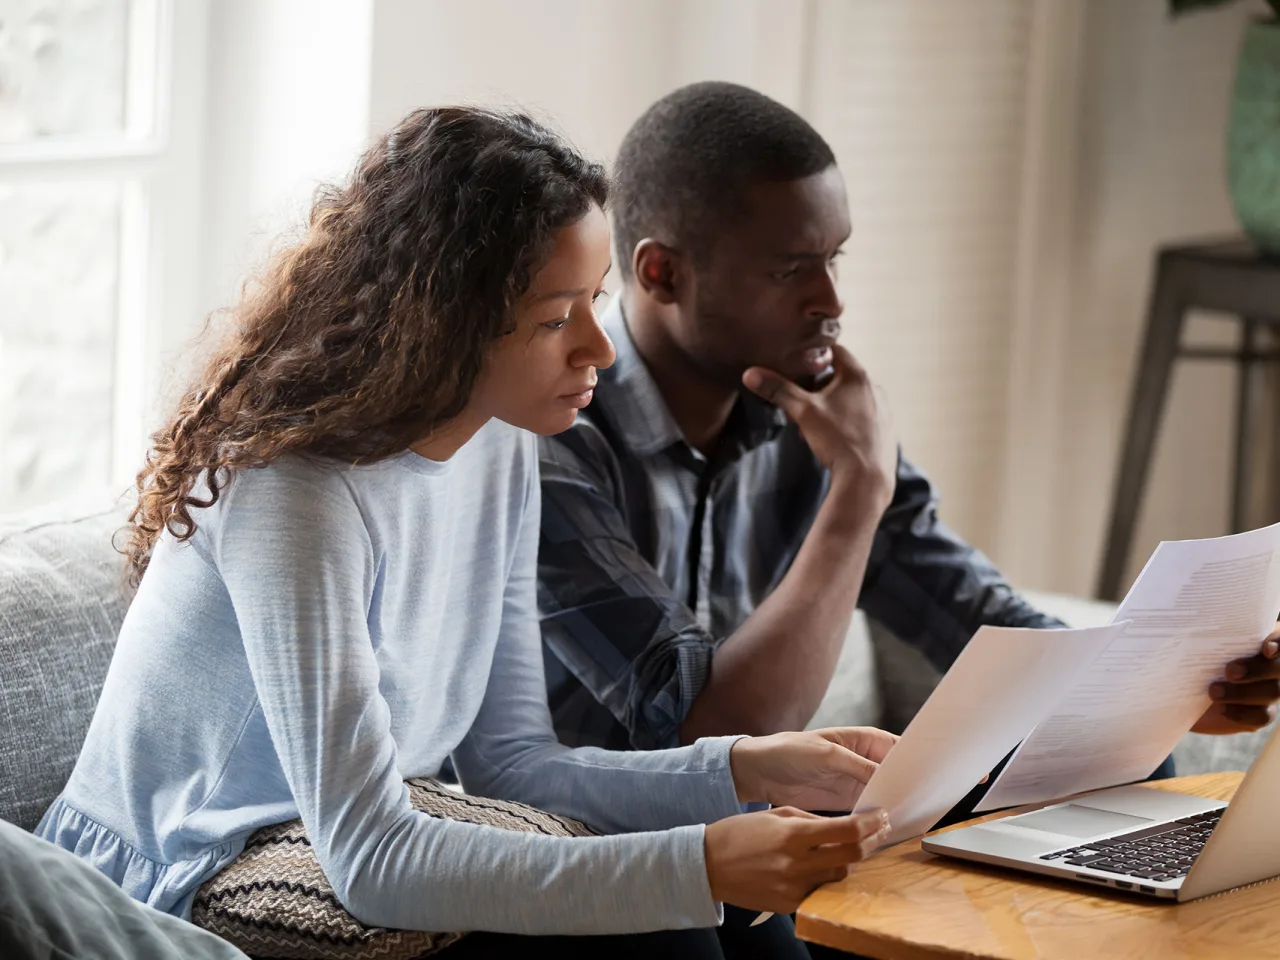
1151	169
288	109
590	66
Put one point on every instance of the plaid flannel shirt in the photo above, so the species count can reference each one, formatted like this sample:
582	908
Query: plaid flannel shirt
651	554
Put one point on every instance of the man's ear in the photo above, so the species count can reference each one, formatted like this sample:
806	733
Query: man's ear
659	270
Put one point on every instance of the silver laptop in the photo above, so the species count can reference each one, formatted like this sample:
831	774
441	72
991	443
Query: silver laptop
1140	839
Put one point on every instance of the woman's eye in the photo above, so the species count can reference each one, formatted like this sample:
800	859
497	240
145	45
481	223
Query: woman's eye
597	295
557	324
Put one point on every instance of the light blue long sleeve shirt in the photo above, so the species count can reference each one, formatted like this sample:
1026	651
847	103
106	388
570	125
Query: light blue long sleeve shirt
330	631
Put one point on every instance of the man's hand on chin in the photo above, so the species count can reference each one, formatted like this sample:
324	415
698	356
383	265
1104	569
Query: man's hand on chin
1247	699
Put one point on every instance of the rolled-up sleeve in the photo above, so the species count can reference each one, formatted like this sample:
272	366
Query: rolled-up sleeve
606	614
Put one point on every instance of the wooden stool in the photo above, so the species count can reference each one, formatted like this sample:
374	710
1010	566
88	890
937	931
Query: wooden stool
1231	277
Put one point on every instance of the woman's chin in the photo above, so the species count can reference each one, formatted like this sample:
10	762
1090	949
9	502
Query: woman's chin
545	423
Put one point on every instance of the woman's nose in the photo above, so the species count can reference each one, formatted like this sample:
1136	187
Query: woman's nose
596	349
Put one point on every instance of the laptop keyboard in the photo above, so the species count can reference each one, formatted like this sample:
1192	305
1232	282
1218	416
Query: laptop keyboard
1162	852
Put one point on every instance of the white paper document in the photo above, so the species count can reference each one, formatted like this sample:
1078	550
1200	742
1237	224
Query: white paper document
1000	687
1197	605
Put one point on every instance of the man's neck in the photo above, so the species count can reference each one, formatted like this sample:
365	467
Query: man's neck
700	404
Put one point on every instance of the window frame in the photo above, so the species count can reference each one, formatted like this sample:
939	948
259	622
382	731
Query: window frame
157	159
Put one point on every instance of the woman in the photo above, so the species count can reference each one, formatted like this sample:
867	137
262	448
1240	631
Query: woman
338	531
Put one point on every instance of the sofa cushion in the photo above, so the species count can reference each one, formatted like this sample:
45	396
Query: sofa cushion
274	900
62	600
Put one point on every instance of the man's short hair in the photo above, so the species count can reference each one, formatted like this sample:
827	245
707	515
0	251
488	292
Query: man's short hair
684	163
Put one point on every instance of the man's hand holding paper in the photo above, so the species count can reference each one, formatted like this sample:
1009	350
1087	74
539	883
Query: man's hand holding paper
1246	700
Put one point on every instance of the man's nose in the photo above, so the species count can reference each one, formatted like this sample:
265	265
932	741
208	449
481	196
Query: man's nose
824	301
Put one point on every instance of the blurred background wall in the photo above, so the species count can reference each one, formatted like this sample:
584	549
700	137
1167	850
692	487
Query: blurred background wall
1012	165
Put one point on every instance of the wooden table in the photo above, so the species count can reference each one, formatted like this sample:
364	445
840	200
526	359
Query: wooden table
905	904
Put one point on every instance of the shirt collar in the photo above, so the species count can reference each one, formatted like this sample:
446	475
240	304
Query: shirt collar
633	404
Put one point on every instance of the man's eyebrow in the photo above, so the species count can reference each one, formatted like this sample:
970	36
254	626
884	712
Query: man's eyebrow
800	255
808	254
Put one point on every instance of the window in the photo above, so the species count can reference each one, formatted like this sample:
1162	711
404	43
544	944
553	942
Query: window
87	156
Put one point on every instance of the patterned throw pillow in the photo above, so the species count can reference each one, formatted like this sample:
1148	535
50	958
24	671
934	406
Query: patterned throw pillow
274	900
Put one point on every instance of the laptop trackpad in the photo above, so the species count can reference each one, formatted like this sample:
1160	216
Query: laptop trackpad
1076	820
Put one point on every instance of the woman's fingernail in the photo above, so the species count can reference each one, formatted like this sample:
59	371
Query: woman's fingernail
884	819
1217	691
1236	671
1271	649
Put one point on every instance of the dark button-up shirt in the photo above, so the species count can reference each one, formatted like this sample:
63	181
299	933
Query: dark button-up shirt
652	553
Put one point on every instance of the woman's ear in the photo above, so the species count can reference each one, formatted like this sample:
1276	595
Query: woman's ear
659	270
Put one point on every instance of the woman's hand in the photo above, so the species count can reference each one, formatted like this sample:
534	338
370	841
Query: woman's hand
813	770
773	859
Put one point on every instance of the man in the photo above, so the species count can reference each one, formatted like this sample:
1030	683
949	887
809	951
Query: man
704	545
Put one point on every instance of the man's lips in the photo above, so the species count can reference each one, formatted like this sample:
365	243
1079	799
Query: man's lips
816	355
817	359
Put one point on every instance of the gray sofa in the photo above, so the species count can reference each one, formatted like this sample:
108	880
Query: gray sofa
61	604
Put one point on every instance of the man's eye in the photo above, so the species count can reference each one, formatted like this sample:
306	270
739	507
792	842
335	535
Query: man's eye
786	274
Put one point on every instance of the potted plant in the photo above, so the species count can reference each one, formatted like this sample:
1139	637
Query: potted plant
1253	137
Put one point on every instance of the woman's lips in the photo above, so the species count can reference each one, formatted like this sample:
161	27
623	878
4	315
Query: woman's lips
579	400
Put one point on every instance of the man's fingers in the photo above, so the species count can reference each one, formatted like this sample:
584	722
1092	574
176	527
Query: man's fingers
1247	716
778	390
846	363
1258	667
1261	692
1261	665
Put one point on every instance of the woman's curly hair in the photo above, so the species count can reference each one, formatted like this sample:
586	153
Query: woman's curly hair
371	332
